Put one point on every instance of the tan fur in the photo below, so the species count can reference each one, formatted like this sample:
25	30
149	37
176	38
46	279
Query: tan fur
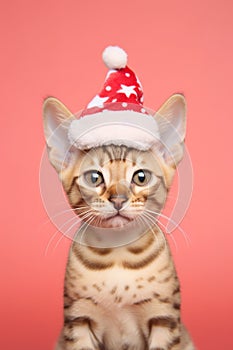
126	297
121	288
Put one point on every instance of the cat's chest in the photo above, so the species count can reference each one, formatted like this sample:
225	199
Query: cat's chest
118	286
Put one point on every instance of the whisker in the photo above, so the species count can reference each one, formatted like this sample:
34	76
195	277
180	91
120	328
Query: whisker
56	232
83	215
58	242
71	210
51	217
50	241
70	228
65	234
151	219
170	235
98	220
141	221
187	240
87	223
152	228
79	219
144	222
174	241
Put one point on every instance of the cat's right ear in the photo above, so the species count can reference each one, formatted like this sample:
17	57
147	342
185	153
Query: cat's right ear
57	119
171	119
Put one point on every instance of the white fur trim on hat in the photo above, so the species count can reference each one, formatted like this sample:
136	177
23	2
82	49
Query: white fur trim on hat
129	128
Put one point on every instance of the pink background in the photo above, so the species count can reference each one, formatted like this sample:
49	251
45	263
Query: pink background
54	47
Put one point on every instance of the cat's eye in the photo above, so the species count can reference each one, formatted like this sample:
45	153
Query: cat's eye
141	177
94	178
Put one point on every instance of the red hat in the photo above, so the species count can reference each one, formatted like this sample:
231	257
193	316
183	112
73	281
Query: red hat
116	115
121	84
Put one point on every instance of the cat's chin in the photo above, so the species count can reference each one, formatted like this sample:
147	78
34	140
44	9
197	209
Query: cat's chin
117	221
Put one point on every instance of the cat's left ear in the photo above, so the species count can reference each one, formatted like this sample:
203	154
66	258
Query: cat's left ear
57	119
171	119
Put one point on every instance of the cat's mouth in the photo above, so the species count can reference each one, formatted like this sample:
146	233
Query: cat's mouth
116	220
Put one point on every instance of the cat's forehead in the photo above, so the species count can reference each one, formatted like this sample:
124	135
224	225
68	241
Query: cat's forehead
120	156
109	154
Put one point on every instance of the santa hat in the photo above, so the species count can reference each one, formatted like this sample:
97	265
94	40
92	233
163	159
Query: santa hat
116	115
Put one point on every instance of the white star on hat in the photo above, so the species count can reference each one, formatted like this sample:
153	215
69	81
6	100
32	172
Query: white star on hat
127	90
97	101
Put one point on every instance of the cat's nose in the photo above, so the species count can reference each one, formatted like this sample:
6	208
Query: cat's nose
118	200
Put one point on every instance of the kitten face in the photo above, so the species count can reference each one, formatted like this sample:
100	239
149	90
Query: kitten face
112	186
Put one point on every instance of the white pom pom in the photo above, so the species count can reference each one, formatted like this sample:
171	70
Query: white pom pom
114	57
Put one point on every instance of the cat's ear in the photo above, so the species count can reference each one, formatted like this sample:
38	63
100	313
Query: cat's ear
57	119
171	119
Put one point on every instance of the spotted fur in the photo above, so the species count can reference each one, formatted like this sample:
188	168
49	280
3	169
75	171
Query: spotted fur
119	296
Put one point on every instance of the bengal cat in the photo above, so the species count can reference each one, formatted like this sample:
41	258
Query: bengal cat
121	287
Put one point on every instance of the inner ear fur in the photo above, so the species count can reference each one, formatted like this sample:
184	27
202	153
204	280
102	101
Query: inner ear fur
57	118
171	119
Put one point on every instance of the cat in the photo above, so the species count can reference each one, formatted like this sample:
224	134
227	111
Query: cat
121	288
